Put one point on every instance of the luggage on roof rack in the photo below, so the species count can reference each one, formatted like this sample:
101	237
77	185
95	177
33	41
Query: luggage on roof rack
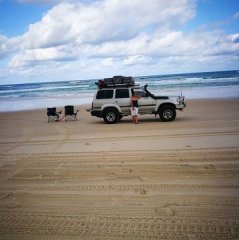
116	81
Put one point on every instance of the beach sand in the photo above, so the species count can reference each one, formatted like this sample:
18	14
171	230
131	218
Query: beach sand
90	180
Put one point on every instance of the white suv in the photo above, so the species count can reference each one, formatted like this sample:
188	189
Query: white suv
112	103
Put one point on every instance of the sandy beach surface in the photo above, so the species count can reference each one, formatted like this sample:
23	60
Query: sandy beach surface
89	180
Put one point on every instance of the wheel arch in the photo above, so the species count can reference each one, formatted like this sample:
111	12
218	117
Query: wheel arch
107	107
166	104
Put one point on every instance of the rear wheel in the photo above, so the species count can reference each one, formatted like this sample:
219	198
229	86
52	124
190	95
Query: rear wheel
167	113
111	115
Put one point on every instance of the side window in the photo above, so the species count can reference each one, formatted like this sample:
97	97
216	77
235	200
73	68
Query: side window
104	94
122	93
141	93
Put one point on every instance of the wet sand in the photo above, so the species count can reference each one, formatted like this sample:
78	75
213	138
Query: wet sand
89	180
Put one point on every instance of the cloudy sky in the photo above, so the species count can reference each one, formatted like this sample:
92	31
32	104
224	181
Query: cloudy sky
52	40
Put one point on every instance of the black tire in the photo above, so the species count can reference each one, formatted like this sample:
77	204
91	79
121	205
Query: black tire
167	113
111	115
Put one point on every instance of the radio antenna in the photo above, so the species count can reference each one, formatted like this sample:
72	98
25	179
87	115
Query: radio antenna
181	87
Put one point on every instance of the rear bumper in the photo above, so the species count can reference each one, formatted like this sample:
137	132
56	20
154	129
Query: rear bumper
96	113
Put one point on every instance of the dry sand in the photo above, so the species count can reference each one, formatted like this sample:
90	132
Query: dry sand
90	180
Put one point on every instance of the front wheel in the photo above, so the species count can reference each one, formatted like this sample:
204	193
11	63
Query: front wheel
167	113
111	115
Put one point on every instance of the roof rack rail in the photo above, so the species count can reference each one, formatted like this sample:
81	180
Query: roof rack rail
115	85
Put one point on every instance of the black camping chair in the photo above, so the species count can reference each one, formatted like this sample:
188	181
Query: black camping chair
70	114
52	114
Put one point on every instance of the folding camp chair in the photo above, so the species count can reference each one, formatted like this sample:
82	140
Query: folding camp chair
52	114
70	114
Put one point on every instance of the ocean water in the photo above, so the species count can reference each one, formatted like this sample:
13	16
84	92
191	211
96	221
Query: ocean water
16	97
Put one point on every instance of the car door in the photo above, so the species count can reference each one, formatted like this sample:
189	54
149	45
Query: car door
122	99
146	103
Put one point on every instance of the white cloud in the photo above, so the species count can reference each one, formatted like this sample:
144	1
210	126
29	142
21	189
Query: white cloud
168	43
35	1
236	15
29	57
41	1
119	36
107	62
107	20
234	37
137	59
3	45
95	29
52	1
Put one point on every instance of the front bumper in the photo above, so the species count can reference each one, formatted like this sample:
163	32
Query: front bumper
181	106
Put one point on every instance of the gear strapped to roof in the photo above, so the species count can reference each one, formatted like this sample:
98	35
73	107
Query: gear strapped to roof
116	81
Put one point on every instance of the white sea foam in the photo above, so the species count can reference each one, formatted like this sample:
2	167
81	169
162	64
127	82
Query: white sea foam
39	103
43	95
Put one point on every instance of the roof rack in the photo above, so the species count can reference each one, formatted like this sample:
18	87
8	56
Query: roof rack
115	85
116	81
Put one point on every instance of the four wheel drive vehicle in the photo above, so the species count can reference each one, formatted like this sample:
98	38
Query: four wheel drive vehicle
113	102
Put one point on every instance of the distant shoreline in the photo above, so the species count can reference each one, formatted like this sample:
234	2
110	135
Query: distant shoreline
87	105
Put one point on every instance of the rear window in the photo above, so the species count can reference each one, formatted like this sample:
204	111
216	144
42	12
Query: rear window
122	93
104	94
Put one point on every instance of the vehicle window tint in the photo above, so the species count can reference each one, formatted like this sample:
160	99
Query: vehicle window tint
140	93
122	93
104	94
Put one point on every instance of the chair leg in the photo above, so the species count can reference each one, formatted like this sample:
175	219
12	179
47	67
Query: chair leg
71	117
53	118
75	116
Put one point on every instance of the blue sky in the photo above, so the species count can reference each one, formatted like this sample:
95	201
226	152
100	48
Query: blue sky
217	14
50	40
